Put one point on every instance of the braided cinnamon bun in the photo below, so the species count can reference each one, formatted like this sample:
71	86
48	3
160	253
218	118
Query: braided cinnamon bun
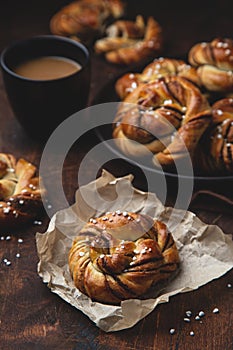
20	194
214	62
84	20
122	255
153	113
160	67
218	141
128	42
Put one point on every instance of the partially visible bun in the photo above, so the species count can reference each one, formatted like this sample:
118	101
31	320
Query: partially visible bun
130	42
20	192
214	63
160	67
85	20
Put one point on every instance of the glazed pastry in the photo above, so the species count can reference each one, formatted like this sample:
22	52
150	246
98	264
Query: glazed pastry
122	255
214	62
128	42
85	20
20	193
216	148
166	117
160	67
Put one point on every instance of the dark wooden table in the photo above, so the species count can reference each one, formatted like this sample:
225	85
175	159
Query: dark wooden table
31	317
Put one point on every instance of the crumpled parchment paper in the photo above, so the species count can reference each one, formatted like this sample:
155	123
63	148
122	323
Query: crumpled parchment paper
206	253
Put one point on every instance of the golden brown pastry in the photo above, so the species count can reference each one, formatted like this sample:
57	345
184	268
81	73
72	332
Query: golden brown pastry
214	62
84	20
151	115
20	194
128	42
122	255
160	67
215	155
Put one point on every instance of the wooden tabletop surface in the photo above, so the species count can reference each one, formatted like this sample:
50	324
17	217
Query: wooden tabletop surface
31	316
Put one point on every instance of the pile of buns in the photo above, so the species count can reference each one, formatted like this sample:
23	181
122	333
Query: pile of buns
97	23
177	110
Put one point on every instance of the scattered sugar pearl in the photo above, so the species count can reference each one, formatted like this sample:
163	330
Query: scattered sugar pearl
6	210
138	220
167	102
2	238
229	285
18	255
37	222
188	313
125	213
172	331
186	319
10	170
192	333
94	221
197	318
8	238
219	111
102	256
81	253
20	240
21	201
215	310
8	263
201	313
105	218
118	212
49	206
227	52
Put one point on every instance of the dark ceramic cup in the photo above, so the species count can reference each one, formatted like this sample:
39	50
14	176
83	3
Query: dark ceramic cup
41	105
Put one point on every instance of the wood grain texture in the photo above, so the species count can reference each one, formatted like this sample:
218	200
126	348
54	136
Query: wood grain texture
31	317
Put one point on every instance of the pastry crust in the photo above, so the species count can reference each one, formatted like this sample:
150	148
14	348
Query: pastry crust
214	62
122	255
20	192
160	67
162	116
85	20
131	42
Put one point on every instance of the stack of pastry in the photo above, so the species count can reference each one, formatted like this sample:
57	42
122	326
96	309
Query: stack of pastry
168	109
96	22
